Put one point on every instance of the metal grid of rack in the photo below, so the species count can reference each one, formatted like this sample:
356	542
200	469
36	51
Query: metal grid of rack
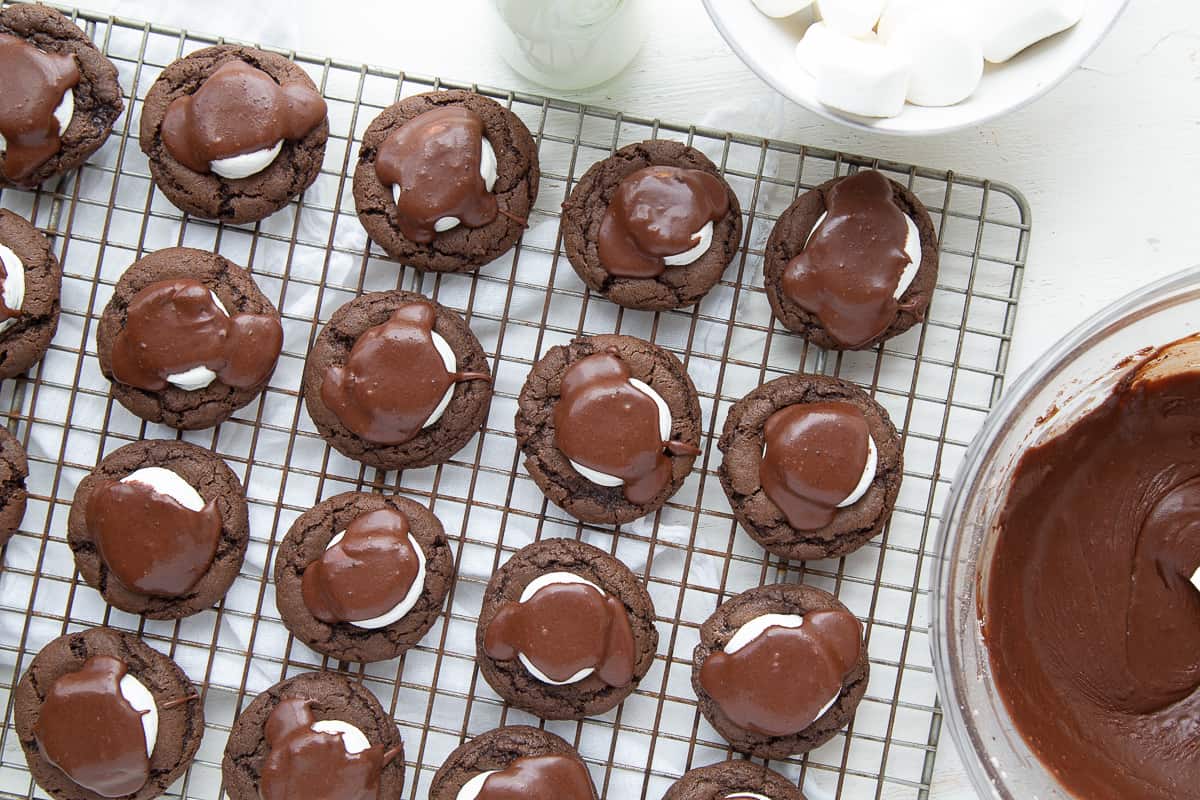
938	382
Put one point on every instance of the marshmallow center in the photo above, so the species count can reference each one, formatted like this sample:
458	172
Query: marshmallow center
703	240
200	376
487	171
757	627
535	586
165	481
912	248
402	608
451	362
64	112
142	701
247	164
472	788
354	740
14	284
664	429
746	796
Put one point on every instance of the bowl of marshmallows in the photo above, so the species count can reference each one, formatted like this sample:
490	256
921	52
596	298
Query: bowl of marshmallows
912	67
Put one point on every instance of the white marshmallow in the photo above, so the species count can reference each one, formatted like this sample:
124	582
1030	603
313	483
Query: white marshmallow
197	377
397	611
664	427
912	248
14	284
942	46
703	240
851	17
1196	579
138	696
487	170
757	627
451	362
353	739
535	586
746	796
782	8
246	164
169	483
1006	27
817	46
473	787
860	76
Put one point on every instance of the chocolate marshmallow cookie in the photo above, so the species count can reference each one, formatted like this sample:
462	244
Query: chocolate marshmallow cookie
852	263
233	133
14	469
517	761
363	577
812	466
566	630
187	338
317	735
397	381
446	180
160	528
733	780
30	283
102	714
59	97
610	427
780	669
653	226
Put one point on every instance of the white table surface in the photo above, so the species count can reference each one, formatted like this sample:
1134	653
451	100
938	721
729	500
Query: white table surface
1106	216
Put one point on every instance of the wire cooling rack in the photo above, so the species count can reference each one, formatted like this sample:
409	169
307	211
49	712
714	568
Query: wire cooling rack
938	381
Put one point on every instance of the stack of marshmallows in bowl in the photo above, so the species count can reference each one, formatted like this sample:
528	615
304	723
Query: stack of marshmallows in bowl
870	57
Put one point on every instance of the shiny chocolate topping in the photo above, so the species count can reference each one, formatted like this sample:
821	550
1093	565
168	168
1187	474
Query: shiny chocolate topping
657	212
33	85
172	326
605	423
434	159
779	683
815	457
394	378
552	777
151	543
365	575
5	312
850	269
1090	607
87	728
239	109
303	764
564	629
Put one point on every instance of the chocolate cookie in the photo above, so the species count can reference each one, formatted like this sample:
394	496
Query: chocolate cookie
210	579
787	674
205	193
180	712
467	246
559	477
92	81
504	597
25	337
733	779
459	421
497	749
191	327
583	224
744	440
790	237
308	539
327	696
14	469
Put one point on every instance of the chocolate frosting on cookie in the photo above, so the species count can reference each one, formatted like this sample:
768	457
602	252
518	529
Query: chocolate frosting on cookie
175	325
778	683
604	422
366	574
550	777
33	86
815	456
150	542
238	109
394	378
435	159
848	272
88	729
303	764
563	629
656	212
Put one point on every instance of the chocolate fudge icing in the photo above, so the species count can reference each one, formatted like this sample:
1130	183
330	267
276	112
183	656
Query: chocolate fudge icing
365	575
1090	617
172	326
780	682
604	422
238	109
655	213
303	764
434	159
549	777
564	629
88	729
850	269
33	86
394	378
815	457
151	543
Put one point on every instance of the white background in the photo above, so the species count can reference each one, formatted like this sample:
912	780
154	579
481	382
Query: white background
1109	161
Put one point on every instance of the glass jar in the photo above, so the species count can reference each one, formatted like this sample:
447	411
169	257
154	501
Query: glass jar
570	44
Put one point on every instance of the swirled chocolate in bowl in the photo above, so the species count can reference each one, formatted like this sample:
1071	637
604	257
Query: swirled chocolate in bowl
1090	610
